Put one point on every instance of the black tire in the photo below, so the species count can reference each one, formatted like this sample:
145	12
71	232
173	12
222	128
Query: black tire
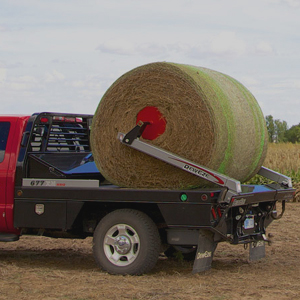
126	241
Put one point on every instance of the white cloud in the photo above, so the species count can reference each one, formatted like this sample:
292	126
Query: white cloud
117	46
224	43
78	83
289	84
152	49
227	42
148	49
291	3
250	81
18	86
54	76
28	79
22	83
264	48
2	74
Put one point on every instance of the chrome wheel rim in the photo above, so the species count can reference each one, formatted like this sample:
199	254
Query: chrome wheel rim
121	245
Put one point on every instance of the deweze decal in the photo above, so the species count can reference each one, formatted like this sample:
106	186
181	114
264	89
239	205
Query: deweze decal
196	171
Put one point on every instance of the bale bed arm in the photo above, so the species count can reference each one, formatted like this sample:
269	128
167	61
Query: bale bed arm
233	186
276	177
132	139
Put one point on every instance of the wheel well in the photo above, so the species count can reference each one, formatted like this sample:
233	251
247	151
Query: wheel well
92	213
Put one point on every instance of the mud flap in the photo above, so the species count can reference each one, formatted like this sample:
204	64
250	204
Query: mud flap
257	250
205	251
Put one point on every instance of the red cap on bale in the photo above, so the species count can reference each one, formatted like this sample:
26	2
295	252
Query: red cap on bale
157	122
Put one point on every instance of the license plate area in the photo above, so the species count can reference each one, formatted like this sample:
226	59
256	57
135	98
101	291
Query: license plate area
249	222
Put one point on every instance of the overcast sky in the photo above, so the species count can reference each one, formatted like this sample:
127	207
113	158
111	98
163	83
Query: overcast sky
62	55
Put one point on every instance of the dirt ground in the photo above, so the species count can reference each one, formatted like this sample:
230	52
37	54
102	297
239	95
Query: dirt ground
45	268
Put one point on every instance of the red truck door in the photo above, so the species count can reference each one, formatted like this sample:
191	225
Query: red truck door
6	129
11	131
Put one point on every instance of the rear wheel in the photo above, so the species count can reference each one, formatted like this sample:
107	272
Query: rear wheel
126	241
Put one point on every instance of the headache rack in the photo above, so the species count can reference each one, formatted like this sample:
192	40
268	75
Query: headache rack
56	145
52	132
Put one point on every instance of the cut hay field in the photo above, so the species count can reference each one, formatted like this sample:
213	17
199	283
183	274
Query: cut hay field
44	268
285	158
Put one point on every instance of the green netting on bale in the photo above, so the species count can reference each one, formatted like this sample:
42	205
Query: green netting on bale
212	119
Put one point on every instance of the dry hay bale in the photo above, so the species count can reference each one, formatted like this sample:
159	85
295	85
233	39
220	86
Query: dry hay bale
211	119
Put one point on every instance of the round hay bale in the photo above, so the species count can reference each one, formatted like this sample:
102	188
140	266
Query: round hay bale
206	117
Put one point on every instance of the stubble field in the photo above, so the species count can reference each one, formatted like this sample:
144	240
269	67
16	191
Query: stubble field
45	268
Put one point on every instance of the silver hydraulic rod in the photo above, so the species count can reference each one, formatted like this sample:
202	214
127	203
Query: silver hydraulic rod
224	181
276	177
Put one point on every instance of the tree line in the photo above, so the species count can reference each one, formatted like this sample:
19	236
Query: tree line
279	132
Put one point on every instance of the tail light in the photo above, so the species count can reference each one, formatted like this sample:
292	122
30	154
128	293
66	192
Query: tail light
219	212
213	212
216	213
67	119
44	120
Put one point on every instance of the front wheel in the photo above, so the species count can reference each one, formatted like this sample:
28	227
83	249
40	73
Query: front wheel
126	241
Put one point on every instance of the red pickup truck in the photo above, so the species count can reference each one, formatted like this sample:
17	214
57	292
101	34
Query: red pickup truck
49	185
